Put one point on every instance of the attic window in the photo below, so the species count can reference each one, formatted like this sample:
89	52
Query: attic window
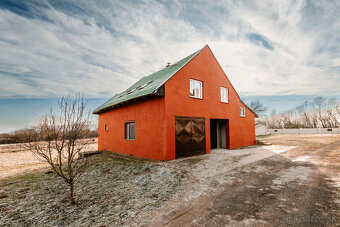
121	95
132	90
224	94
242	111
144	85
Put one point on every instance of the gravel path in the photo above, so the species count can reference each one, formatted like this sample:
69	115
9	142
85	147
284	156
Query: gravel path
256	186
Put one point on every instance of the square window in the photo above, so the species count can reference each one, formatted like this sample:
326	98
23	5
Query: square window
196	89
242	111
224	94
130	130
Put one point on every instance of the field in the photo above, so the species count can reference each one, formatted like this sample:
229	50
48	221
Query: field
294	181
15	159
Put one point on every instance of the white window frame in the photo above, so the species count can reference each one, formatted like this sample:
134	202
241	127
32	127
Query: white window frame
127	135
242	112
224	95
198	84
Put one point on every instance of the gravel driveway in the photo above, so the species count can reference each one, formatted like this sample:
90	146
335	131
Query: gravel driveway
258	186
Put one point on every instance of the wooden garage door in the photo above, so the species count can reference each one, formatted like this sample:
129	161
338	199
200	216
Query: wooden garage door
190	136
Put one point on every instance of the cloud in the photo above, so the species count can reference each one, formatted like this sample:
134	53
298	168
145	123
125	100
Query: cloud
51	48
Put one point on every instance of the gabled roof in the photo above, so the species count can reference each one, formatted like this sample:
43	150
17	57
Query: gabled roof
146	86
149	86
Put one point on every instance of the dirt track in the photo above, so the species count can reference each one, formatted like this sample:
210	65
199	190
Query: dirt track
270	191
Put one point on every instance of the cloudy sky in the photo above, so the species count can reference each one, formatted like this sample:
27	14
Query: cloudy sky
267	48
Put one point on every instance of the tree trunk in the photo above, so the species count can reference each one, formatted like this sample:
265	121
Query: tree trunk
72	193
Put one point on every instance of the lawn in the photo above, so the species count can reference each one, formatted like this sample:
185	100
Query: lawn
113	189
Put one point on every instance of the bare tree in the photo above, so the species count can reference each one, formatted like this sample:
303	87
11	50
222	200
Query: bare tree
318	113
319	103
304	116
60	137
258	107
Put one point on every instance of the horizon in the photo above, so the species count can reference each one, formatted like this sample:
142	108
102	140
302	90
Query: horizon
37	107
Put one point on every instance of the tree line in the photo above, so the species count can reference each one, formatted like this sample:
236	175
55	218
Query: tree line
26	135
319	113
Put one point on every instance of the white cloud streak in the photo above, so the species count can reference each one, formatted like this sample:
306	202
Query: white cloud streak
103	47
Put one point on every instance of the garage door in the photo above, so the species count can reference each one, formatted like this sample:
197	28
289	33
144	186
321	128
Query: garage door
190	136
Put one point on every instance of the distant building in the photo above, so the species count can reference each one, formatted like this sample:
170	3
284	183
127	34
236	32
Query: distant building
187	108
261	130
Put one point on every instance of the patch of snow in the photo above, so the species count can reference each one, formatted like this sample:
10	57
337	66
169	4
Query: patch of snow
298	173
277	149
301	158
335	181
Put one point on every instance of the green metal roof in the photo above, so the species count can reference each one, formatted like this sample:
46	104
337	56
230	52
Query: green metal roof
147	85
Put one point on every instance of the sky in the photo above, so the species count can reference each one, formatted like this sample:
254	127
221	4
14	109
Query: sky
283	49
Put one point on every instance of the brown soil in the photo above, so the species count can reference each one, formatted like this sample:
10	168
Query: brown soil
274	191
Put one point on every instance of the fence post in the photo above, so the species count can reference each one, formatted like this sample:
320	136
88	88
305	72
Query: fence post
300	130
284	130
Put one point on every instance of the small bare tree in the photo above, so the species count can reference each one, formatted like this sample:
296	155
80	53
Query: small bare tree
60	137
258	107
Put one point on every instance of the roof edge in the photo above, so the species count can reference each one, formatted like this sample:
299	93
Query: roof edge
99	110
197	52
108	108
231	83
256	116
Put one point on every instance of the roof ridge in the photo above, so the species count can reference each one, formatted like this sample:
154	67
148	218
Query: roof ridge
193	55
147	85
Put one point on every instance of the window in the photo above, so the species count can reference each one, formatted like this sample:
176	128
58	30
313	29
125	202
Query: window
106	128
242	111
224	94
144	85
122	94
195	89
130	91
130	130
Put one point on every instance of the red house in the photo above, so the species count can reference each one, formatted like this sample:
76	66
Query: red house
187	108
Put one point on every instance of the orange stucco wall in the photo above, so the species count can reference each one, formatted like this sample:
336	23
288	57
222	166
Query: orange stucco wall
155	119
149	120
204	67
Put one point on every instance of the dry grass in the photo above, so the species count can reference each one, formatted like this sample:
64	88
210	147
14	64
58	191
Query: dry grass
308	143
296	140
114	189
15	159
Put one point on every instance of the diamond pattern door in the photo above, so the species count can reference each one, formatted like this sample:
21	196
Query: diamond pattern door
190	136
